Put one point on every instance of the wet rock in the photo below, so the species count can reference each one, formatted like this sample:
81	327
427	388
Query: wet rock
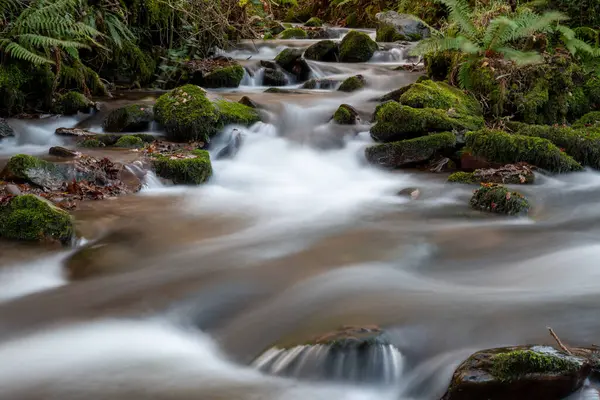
442	164
430	94
320	84
397	122
518	373
393	26
5	129
409	152
412	193
76	132
497	199
502	147
71	103
274	77
62	152
131	118
235	113
515	174
282	91
268	64
353	84
91	143
218	72
293	33
32	218
317	33
357	47
232	147
25	168
129	142
248	102
346	115
12	189
314	21
191	168
325	50
291	61
274	27
131	176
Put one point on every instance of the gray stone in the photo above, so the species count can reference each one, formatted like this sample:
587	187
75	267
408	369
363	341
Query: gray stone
404	24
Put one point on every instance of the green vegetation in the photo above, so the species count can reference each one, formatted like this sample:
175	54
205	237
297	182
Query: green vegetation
357	47
387	33
22	167
191	169
229	77
352	84
235	113
131	118
409	152
497	199
71	103
314	22
345	115
293	33
518	363
462	177
128	141
91	143
591	119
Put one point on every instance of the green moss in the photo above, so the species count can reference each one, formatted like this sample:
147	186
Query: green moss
352	84
31	218
497	199
187	114
577	103
145	137
345	115
293	33
71	103
439	64
314	21
398	122
91	143
324	50
534	100
235	113
409	152
387	33
268	36
131	118
591	88
462	177
184	171
430	94
516	364
502	147
228	77
129	141
357	47
591	119
287	57
20	166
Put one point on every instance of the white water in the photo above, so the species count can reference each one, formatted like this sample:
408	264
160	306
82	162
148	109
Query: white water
23	279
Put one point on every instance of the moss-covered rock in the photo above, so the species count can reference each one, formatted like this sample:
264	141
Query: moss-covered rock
325	50
91	143
438	65
502	147
409	152
235	113
130	142
187	114
515	174
397	122
430	94
515	364
131	118
293	33
498	199
192	169
462	177
224	77
322	83
26	168
274	77
345	115
291	61
314	22
394	26
353	84
357	47
591	119
71	103
387	33
32	218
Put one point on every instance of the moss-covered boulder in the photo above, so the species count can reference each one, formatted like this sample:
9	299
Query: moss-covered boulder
462	177
518	373
502	147
26	168
32	218
387	33
325	50
314	22
293	33
187	114
357	47
591	119
497	199
71	103
129	142
515	174
131	118
430	94
190	169
345	115
5	129
235	113
393	26
291	61
274	77
228	76
410	152
397	122
91	143
353	84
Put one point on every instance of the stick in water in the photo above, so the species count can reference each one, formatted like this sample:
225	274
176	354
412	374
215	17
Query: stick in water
560	344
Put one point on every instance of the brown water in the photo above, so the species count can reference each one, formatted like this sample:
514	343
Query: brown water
293	237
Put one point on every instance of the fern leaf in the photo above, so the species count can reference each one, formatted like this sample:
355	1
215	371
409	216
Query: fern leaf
461	14
520	57
19	52
45	42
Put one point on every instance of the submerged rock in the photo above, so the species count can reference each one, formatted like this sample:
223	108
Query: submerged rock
394	26
131	118
291	61
232	147
325	50
409	152
353	83
184	169
346	115
357	47
71	103
248	102
5	129
498	199
31	218
518	373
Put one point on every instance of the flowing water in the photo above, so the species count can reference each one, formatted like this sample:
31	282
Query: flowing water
293	237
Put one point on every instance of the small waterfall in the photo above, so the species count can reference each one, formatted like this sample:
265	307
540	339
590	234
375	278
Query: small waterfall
253	80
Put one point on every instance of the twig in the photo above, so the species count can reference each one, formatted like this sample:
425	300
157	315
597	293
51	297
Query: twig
560	344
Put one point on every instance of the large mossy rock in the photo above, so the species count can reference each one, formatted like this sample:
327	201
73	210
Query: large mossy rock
187	114
409	152
131	118
224	77
314	22
346	115
430	94
353	84
218	72
393	26
32	218
5	129
502	147
129	142
325	50
291	61
71	103
26	168
188	169
517	373
235	113
497	199
397	122
293	33
357	47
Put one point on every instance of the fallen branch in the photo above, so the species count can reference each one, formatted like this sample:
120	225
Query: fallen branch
560	344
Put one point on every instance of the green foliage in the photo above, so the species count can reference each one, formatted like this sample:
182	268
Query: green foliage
497	199
71	103
185	169
352	84
516	364
591	119
357	47
130	142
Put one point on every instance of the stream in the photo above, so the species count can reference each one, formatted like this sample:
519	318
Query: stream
295	236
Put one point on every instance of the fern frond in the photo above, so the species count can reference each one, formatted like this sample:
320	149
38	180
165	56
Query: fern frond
498	32
434	45
520	57
530	23
19	52
461	14
464	76
45	41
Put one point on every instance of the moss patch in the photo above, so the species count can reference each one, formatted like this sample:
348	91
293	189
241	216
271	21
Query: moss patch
387	33
26	168
409	152
293	33
352	84
357	47
235	113
502	147
345	115
591	119
188	170
228	77
131	118
187	114
516	364
71	103
91	143
462	177
314	21
31	218
430	94
497	199
130	142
